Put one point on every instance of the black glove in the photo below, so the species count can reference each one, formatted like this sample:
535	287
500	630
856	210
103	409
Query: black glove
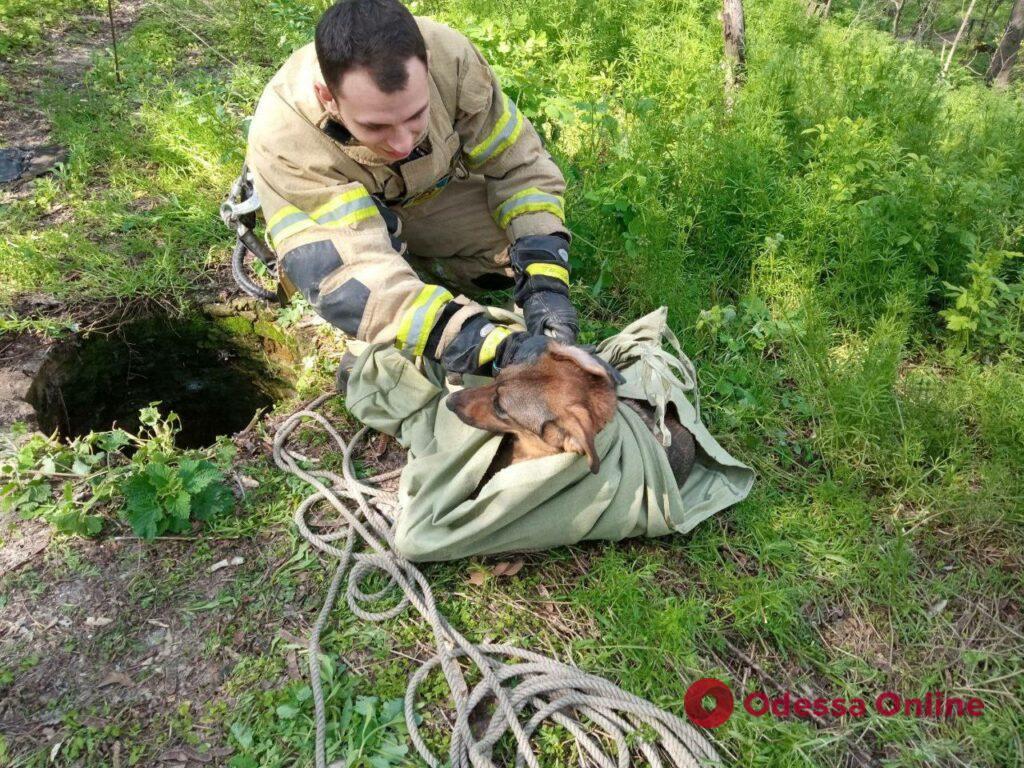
474	346
541	267
393	223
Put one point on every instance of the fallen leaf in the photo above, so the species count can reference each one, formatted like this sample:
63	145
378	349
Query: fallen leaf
506	568
97	621
937	608
116	678
288	637
225	563
174	756
477	578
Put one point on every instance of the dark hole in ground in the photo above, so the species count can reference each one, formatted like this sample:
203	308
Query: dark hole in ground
191	366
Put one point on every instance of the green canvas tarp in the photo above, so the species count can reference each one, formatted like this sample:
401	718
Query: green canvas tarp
555	500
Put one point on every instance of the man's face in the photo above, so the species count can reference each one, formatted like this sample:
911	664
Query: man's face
389	124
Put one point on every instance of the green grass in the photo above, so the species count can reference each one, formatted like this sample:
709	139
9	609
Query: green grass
803	244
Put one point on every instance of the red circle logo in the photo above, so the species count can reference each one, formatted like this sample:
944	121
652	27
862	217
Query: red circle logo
693	702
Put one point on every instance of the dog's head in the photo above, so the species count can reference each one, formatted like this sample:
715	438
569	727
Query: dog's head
556	404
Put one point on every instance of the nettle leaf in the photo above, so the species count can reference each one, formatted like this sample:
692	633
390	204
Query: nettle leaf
159	475
143	512
113	440
71	519
214	500
242	734
198	475
188	466
180	505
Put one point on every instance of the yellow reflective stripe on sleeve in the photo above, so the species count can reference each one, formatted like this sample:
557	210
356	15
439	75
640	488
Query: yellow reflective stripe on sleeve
528	201
418	320
551	270
352	218
347	208
288	210
503	135
337	200
287	222
491	342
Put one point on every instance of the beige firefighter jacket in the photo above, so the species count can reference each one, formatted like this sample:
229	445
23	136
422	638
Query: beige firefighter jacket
315	190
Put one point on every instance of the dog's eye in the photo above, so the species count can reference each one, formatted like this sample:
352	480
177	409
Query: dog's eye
498	410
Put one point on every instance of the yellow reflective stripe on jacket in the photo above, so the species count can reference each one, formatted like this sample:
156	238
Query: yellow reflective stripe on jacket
501	137
347	208
287	222
527	201
418	320
551	270
491	342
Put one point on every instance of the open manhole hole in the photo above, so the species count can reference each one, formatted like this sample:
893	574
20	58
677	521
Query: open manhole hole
191	367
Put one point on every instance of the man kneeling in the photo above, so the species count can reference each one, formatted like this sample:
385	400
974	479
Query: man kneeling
386	151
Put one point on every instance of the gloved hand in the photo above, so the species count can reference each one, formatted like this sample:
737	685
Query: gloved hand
541	267
393	224
547	311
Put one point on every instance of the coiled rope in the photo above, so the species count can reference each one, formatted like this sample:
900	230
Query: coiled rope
514	678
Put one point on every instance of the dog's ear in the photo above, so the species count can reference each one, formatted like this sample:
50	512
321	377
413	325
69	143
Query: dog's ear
588	362
578	356
579	435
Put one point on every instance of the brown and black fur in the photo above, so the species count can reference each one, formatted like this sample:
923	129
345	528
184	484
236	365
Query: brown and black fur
557	404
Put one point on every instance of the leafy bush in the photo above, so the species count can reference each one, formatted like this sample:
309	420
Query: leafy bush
988	312
163	489
165	497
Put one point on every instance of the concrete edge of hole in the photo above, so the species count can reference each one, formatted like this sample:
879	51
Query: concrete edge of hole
19	366
286	349
250	322
246	320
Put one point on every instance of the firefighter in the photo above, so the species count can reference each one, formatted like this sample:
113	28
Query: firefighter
398	181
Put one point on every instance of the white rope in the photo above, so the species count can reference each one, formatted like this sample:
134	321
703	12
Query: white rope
512	677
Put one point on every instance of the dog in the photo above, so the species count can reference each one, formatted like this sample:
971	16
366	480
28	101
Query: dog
558	404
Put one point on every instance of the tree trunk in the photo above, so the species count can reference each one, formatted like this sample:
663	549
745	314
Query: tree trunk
896	16
1003	59
735	36
959	34
986	19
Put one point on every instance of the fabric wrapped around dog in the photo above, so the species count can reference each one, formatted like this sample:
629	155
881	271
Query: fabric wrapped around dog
555	500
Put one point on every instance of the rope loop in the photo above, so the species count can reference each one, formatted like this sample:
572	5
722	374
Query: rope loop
519	689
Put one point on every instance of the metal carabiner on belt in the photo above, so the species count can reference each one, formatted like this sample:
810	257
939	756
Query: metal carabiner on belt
238	212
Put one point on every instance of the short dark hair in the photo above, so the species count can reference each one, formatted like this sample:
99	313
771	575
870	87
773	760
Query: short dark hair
380	35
